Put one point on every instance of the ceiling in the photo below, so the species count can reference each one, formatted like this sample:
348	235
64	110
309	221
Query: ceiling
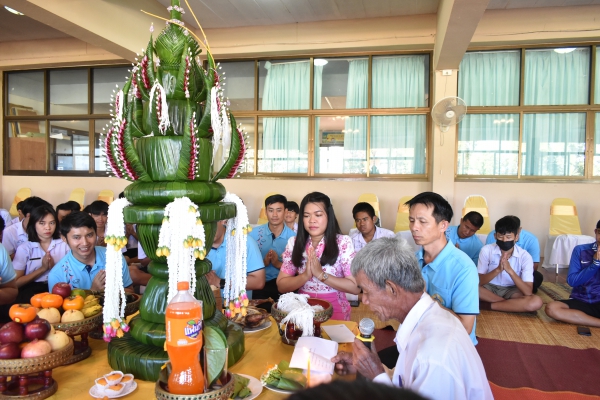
236	13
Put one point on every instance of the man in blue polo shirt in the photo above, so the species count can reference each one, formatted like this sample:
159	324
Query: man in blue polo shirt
583	308
272	238
255	270
450	276
463	235
528	242
84	265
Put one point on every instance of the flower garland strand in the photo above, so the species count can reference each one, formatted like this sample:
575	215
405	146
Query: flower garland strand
114	292
234	292
181	240
162	108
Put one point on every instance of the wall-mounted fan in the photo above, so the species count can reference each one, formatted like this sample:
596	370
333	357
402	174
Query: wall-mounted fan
448	111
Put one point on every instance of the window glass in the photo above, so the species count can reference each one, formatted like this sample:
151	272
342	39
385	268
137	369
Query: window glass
341	145
340	83
106	81
26	143
553	144
69	145
490	78
100	127
398	144
597	80
284	85
488	144
557	76
283	145
239	85
25	93
68	91
597	146
400	81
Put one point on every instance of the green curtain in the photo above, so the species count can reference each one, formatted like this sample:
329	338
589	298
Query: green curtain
488	144
399	81
490	78
597	146
355	135
597	83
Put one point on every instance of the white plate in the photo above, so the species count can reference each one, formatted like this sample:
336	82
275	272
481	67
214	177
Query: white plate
94	392
263	326
254	385
276	389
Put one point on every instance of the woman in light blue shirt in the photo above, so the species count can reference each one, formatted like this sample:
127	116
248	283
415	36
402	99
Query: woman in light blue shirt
36	257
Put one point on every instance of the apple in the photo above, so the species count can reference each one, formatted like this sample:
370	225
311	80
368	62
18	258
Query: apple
11	332
36	348
63	289
57	340
72	316
9	350
51	315
37	329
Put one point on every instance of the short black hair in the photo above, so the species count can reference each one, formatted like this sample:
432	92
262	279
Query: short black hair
68	206
442	211
508	224
2	224
121	195
97	207
292	206
598	224
36	215
20	206
33	202
276	198
475	218
77	219
363	207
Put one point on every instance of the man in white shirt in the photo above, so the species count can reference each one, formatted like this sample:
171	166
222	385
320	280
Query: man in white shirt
437	358
367	230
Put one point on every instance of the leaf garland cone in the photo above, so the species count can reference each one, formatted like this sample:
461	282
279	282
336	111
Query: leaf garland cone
161	139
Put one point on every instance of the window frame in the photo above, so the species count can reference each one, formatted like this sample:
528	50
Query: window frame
590	109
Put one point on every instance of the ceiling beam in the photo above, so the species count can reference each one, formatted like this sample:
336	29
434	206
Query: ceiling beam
116	26
456	24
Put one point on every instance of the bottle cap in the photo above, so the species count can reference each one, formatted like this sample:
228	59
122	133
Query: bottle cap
183	286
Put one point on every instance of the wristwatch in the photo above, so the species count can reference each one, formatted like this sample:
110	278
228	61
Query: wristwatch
324	276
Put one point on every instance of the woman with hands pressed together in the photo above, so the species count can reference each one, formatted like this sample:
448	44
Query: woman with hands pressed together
317	261
36	257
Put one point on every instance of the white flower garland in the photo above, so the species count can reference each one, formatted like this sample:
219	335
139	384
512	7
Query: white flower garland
114	292
181	240
164	121
300	313
234	292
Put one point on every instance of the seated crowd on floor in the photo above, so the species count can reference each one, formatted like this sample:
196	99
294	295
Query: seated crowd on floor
435	292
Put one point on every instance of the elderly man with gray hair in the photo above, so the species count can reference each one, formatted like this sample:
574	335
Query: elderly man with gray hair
437	358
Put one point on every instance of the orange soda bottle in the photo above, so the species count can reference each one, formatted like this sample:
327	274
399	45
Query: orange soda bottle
184	341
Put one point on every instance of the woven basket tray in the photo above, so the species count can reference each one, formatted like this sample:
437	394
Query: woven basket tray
25	366
78	327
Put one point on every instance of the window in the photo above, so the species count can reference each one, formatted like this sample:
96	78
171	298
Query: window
528	119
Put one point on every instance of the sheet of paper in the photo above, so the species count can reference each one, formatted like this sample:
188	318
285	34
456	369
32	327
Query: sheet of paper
320	351
339	333
351	297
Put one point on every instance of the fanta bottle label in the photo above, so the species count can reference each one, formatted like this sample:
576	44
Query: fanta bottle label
181	332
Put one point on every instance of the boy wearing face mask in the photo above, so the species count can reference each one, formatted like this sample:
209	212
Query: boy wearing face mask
506	271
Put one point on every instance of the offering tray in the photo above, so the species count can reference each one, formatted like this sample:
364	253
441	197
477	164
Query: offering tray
31	378
82	328
131	307
291	334
223	393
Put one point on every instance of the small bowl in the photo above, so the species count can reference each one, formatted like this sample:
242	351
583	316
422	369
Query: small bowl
114	390
127	381
113	378
101	385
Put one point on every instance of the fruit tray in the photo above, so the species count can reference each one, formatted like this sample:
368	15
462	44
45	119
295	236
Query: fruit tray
21	366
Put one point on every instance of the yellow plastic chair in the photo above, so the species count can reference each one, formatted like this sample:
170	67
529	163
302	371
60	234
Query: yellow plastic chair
479	204
402	223
21	195
373	200
107	196
262	217
78	195
563	218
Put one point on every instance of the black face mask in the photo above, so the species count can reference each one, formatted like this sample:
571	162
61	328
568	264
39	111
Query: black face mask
505	246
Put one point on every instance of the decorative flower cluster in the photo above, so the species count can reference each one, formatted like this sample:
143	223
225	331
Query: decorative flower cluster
186	79
240	158
193	170
219	115
144	71
162	107
176	8
181	240
114	293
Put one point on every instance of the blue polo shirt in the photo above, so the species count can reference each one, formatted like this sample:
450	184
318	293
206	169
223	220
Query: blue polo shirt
71	270
218	257
527	241
7	272
452	279
266	241
471	245
584	273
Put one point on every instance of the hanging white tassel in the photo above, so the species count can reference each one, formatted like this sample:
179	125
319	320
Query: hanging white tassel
119	104
215	121
163	122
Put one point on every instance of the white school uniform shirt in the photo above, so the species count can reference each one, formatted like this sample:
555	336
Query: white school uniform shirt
437	358
13	221
29	256
6	217
13	236
520	261
359	241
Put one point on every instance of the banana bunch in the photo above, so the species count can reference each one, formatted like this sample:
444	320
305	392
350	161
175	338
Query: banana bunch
91	306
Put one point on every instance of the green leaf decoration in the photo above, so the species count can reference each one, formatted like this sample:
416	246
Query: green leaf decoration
234	152
179	92
140	83
114	149
130	151
137	114
197	79
150	119
126	88
186	156
170	44
150	54
209	79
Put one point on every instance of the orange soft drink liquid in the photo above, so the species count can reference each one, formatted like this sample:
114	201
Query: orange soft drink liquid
184	341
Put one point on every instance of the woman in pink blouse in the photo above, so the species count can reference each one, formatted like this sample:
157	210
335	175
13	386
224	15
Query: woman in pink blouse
317	261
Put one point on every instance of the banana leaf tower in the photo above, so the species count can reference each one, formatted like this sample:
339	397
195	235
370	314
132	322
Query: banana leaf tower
162	138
